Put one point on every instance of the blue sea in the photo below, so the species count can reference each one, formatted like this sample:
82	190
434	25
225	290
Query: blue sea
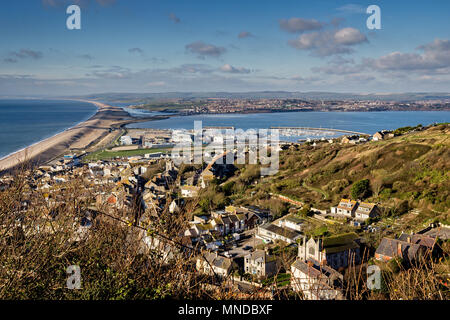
365	122
25	122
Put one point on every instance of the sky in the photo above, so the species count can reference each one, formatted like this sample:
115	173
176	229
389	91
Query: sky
234	45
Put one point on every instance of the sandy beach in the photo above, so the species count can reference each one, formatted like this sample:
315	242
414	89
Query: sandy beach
94	131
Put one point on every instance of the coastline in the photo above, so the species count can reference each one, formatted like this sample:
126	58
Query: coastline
80	137
51	135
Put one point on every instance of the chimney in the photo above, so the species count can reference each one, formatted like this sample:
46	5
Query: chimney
399	249
408	239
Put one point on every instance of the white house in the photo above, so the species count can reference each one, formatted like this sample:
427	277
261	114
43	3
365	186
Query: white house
315	281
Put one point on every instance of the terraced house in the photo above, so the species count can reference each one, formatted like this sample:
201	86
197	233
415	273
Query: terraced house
211	263
361	211
346	208
409	247
366	210
271	232
260	264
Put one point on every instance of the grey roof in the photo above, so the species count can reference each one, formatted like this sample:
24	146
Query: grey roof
226	220
388	247
315	269
218	261
441	233
285	232
257	255
294	219
234	218
421	239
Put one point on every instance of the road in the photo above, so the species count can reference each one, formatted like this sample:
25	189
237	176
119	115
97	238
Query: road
247	239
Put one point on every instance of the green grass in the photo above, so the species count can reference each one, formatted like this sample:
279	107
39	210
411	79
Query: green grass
324	194
105	155
283	279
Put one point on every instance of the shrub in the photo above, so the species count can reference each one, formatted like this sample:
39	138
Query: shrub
361	189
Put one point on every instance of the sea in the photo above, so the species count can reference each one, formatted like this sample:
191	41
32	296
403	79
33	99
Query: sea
363	122
25	122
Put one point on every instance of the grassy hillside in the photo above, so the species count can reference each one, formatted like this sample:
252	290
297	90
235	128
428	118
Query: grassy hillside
405	172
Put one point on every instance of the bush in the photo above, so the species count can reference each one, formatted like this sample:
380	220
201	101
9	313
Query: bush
305	211
361	189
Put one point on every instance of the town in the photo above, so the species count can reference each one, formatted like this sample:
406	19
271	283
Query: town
235	105
279	245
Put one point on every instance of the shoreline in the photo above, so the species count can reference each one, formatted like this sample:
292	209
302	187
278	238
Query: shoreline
53	135
78	137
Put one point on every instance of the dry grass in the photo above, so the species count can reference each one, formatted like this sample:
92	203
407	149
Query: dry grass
39	241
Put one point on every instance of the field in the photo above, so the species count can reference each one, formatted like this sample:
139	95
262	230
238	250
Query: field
105	154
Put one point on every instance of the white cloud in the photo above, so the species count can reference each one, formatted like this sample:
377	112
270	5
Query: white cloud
349	36
244	34
230	69
299	25
435	58
327	43
204	49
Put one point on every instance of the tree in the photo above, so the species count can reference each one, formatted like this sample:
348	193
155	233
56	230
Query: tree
305	210
361	189
402	208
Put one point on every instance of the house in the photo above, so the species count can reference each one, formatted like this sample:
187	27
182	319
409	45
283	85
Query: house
337	251
316	281
366	210
350	139
292	222
189	191
256	216
229	221
213	264
379	135
439	232
218	225
252	219
393	248
423	240
260	264
345	208
206	177
410	248
271	232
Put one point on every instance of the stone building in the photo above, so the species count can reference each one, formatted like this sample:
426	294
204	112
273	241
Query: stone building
260	264
338	251
315	281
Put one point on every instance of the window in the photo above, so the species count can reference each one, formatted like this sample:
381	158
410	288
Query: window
312	251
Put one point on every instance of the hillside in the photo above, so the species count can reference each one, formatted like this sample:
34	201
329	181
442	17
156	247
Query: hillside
405	172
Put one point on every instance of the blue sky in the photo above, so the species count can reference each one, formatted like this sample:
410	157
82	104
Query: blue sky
246	45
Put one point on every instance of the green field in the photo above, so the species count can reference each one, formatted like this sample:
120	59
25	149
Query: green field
105	154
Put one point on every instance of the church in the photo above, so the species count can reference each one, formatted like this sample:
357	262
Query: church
338	251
